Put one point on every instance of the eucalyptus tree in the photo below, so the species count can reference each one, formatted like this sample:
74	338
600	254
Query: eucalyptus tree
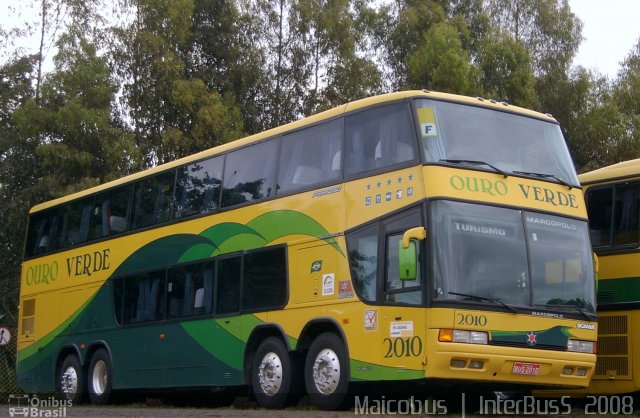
505	70
171	111
17	174
551	34
441	63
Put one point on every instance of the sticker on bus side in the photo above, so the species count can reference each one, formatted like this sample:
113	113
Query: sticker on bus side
328	284
401	329
371	319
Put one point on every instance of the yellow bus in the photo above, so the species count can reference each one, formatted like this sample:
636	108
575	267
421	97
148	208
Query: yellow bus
411	236
613	204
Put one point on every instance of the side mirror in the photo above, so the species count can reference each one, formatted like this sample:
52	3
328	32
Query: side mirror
408	253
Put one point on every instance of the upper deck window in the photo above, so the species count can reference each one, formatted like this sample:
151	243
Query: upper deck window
512	143
249	173
198	187
378	138
153	200
310	156
614	216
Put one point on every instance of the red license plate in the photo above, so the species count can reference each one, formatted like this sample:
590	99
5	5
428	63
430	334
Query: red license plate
532	369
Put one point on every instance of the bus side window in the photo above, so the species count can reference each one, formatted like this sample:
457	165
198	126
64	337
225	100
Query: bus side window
144	297
153	200
310	156
363	261
627	214
118	298
249	173
118	213
600	209
378	138
198	187
99	222
78	218
38	236
228	276
188	290
264	281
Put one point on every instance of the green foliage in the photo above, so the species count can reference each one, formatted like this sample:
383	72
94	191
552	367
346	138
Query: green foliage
17	172
440	63
174	113
401	32
77	144
506	73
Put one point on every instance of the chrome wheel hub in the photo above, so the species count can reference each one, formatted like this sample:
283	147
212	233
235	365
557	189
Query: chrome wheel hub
99	378
69	382
270	374
326	371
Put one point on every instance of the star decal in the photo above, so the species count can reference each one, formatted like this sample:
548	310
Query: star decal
531	339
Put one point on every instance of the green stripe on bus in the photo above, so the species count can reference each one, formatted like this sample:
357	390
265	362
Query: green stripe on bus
619	290
365	371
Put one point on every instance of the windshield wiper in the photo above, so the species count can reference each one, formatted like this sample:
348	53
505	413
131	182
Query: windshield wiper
496	301
545	176
575	307
475	162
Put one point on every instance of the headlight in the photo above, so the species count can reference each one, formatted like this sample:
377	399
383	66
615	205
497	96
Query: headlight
463	336
580	346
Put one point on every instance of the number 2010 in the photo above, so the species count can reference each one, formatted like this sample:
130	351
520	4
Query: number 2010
403	347
477	320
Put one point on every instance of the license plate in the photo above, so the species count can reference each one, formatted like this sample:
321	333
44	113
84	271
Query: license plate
532	369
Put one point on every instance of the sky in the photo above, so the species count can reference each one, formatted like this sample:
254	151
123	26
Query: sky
610	28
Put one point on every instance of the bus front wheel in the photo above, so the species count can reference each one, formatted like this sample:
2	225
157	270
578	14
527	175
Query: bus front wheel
272	374
326	371
100	377
71	380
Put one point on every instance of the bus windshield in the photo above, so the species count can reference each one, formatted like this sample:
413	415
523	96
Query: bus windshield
511	143
519	258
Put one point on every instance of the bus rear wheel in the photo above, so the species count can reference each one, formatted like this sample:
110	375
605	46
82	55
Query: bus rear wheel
71	380
272	374
100	377
326	373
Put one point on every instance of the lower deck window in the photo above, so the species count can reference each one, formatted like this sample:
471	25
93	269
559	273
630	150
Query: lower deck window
250	281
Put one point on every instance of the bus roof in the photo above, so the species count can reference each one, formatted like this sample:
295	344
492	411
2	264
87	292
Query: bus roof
625	169
292	126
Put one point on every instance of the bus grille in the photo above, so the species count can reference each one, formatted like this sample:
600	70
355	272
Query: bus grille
608	325
613	347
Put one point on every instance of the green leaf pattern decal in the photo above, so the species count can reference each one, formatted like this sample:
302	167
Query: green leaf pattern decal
224	238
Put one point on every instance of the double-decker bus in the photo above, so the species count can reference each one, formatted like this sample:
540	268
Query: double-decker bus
613	204
412	236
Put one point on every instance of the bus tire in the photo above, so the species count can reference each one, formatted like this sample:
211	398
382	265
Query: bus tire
100	377
70	380
326	373
272	374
